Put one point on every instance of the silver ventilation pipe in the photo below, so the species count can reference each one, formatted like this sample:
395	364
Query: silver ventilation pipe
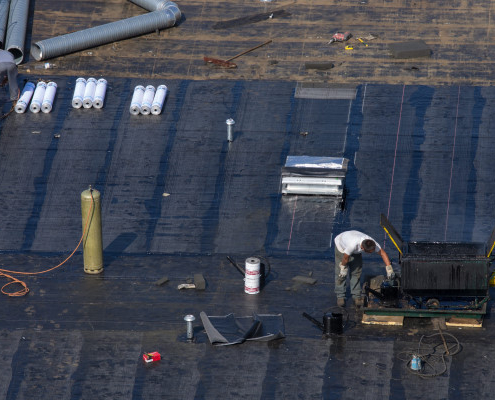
111	32
16	29
4	14
151	5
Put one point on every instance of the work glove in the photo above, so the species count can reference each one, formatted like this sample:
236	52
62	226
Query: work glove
343	272
390	272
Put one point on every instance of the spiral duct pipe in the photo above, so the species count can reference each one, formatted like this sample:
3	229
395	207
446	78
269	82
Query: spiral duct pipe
151	5
103	34
16	28
4	15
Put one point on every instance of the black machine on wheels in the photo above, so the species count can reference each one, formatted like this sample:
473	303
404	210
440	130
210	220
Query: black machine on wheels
437	279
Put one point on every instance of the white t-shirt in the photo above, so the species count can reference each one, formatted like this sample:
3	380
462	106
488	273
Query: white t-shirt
349	242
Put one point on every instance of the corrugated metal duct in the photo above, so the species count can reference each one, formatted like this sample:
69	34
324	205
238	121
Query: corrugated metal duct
16	29
111	32
4	14
151	5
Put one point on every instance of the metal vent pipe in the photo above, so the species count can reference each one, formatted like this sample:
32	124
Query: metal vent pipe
107	33
16	29
4	14
151	5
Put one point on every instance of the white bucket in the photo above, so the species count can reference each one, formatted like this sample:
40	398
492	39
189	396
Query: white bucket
48	98
252	276
77	99
89	93
27	93
38	95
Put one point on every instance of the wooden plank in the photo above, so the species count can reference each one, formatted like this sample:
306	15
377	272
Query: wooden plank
382	320
464	322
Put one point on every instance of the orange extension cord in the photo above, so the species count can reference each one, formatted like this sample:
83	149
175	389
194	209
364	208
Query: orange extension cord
22	292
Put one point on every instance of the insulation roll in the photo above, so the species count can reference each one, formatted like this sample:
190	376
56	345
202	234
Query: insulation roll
49	96
38	95
89	93
77	99
137	99
159	99
101	88
26	95
149	95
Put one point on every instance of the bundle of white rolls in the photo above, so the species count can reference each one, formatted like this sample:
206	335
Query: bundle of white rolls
89	93
42	98
148	100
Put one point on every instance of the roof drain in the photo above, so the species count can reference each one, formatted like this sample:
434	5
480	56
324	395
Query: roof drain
4	13
111	32
16	28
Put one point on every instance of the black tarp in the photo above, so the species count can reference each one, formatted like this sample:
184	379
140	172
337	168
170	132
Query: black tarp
229	329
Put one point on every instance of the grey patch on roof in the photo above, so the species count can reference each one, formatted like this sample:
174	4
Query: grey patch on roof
323	91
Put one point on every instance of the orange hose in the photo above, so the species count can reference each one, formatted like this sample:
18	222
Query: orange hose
22	292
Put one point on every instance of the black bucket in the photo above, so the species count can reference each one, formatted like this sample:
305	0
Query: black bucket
332	323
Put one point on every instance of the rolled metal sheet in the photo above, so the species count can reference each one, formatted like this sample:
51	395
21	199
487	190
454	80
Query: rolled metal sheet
4	15
16	29
107	33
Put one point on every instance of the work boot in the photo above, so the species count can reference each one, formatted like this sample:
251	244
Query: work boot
358	302
340	301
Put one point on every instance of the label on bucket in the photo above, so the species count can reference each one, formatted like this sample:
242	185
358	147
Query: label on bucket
252	266
252	284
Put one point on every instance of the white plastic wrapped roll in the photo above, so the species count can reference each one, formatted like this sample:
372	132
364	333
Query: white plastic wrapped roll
38	95
77	99
101	88
149	95
137	100
159	99
89	93
26	95
49	96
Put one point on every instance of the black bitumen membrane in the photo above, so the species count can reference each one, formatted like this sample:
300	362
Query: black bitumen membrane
177	199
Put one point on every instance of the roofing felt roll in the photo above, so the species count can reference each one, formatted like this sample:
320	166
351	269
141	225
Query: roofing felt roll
410	49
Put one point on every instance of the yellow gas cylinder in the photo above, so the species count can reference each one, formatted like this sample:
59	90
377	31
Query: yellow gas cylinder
492	280
91	225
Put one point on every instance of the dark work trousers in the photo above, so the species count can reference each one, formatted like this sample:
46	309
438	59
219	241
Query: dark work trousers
355	266
10	69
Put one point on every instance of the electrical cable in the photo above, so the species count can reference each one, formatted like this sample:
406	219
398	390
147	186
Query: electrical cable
430	359
25	290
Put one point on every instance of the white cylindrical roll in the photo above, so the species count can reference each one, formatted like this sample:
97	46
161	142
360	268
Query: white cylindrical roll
25	98
38	95
89	93
101	88
137	99
149	95
252	277
77	99
49	96
159	99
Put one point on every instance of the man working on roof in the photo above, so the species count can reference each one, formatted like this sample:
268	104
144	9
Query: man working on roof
8	67
348	258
